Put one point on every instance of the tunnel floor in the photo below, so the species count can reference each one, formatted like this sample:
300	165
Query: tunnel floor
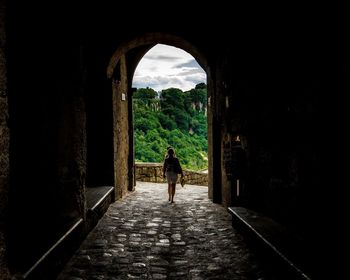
143	236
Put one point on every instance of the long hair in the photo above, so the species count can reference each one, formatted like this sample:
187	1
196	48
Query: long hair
171	152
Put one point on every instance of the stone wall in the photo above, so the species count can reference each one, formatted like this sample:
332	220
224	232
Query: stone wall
4	143
152	172
121	129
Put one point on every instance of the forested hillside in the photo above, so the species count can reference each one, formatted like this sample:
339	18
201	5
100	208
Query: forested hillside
171	118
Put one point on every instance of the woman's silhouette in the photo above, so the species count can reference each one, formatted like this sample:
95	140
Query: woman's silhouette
171	169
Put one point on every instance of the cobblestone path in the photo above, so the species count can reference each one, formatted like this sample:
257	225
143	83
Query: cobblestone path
144	236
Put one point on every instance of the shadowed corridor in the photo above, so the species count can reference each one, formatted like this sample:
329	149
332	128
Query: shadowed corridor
66	141
144	236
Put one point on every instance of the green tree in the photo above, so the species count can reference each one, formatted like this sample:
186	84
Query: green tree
172	98
145	95
174	118
166	122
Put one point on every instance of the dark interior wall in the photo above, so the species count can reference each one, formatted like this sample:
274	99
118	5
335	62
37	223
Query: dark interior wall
273	93
100	161
211	140
48	135
107	118
4	144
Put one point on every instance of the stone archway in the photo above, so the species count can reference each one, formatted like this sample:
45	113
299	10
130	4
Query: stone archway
120	70
151	39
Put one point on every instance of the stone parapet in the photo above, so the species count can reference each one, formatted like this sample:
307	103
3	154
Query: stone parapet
152	172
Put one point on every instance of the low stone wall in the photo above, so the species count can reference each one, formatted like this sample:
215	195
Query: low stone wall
152	172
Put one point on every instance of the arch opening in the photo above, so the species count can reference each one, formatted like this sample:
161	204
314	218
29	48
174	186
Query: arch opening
120	70
170	109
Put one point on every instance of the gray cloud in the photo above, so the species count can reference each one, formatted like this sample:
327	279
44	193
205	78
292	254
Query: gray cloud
190	72
161	57
154	68
167	67
189	64
195	80
162	82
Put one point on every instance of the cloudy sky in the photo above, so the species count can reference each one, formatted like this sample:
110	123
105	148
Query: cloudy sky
164	66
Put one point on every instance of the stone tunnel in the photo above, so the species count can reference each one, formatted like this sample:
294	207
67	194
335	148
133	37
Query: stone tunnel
66	133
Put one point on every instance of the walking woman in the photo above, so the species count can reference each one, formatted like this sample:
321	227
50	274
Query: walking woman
171	169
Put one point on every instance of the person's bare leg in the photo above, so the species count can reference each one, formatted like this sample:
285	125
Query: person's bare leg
173	187
169	190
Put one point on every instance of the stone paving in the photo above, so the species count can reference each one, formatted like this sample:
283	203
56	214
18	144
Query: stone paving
144	236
